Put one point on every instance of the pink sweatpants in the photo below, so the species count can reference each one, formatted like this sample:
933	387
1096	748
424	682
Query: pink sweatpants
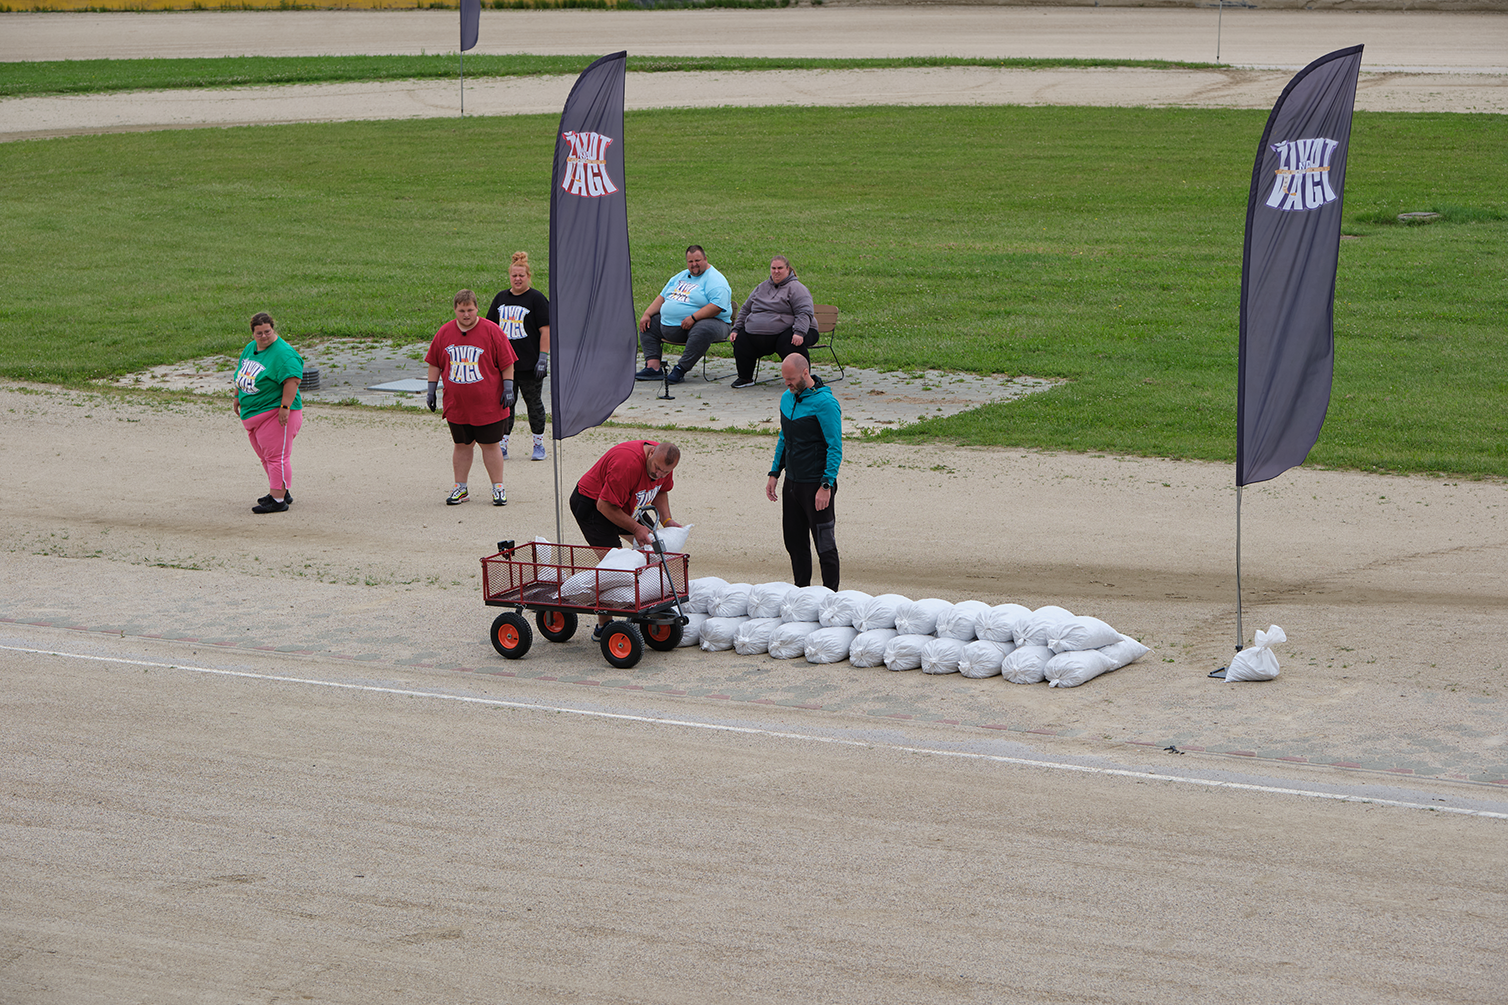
274	444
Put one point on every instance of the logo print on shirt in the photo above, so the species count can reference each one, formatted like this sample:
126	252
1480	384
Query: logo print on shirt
510	318
586	165
1303	175
463	364
683	292
247	374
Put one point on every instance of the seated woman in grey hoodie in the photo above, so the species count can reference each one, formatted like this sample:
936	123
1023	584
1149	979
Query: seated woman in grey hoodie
777	318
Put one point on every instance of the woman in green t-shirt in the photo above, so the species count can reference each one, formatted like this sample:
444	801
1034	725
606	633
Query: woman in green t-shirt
269	406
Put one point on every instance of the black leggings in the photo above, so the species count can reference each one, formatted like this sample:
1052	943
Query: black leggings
531	392
800	518
748	349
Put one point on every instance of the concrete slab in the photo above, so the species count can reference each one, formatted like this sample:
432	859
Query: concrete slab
356	372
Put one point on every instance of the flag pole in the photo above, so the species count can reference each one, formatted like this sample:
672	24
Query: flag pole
1239	635
463	84
555	456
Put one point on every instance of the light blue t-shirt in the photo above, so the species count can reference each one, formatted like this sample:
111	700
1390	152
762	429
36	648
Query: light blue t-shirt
686	294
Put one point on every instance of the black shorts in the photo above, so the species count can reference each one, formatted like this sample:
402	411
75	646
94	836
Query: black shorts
599	531
463	433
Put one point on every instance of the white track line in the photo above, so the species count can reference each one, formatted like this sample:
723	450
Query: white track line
781	735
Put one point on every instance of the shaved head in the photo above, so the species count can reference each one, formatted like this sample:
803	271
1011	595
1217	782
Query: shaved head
796	372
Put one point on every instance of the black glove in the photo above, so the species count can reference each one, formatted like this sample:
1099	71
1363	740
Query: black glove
429	395
542	368
508	397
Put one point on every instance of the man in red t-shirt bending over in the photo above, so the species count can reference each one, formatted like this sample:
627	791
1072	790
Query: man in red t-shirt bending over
629	477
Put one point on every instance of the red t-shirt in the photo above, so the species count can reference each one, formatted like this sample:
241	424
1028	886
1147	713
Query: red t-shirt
622	478
471	368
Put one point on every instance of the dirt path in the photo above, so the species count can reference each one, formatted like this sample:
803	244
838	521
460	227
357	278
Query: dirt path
1285	38
1421	63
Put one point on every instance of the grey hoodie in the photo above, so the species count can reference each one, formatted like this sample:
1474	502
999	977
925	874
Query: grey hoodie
774	307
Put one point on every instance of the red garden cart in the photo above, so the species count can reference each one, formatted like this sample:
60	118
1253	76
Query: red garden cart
560	582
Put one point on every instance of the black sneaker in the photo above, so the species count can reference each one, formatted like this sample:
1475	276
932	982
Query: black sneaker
270	505
649	373
675	376
743	382
266	499
597	633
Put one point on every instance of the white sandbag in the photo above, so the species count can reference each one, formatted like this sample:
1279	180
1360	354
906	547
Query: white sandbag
1082	632
804	603
919	617
842	608
1127	650
1071	673
998	624
672	540
942	655
1258	662
1041	626
959	622
1026	664
766	598
982	658
717	633
691	632
868	648
615	570
623	558
904	652
731	602
830	645
1074	667
701	592
753	636
879	612
548	569
789	640
654	584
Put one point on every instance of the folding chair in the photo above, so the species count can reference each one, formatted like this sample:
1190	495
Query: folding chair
825	317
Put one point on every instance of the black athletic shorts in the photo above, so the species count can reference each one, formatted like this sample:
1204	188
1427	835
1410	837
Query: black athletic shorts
462	432
599	531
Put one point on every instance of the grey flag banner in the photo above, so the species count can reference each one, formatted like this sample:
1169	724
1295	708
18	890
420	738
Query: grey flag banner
1287	355
471	23
593	340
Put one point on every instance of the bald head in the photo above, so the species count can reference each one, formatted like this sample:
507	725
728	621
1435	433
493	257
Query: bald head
661	459
796	371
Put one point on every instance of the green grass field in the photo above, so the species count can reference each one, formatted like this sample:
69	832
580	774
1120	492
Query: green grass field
1098	245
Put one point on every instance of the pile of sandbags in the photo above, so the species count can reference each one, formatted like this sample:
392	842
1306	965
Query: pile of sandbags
972	638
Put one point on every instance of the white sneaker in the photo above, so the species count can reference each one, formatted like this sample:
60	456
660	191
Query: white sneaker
499	496
539	449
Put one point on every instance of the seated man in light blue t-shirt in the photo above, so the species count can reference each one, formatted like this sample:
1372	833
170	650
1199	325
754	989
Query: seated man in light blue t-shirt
694	308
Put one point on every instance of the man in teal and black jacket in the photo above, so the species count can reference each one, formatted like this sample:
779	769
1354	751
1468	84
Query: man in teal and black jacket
809	450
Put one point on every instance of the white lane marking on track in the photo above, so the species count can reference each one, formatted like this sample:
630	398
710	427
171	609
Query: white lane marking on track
1150	776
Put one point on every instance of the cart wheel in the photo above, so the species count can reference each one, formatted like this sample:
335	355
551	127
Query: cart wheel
511	635
662	637
557	626
622	645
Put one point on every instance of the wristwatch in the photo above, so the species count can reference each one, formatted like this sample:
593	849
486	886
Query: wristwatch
828	483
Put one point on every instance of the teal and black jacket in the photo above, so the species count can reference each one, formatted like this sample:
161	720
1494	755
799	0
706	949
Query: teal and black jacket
810	447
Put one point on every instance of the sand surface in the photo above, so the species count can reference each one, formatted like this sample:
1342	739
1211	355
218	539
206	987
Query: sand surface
275	758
